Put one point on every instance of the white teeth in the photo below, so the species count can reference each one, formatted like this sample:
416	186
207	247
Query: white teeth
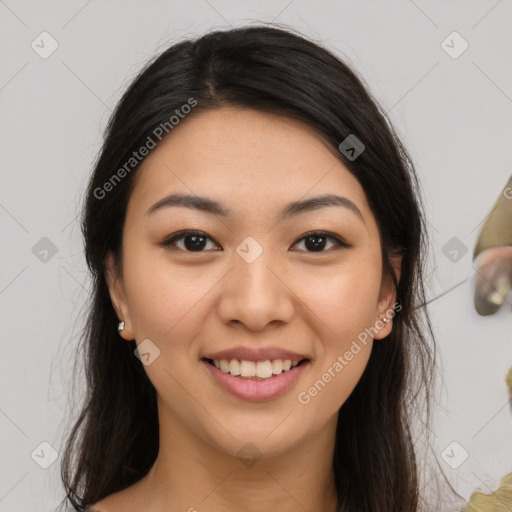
261	369
247	368
277	366
234	367
264	369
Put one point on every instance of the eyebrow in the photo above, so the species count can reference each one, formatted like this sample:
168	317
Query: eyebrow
211	206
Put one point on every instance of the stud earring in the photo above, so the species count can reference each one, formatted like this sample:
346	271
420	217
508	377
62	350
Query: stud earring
120	327
385	320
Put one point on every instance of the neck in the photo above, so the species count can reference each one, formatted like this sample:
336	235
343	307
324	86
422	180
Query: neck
191	474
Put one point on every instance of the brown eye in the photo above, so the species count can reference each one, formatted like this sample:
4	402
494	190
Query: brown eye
318	240
193	241
196	241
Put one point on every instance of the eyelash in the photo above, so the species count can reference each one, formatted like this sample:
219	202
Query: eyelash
169	242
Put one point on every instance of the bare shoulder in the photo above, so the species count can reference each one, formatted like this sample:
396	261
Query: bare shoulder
108	504
121	501
130	499
90	508
105	505
96	508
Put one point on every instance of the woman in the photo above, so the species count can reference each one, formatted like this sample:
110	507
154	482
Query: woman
255	238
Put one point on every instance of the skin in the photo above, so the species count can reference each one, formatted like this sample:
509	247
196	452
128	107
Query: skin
190	303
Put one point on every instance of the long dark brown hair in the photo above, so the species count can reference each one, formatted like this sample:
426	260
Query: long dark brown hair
115	440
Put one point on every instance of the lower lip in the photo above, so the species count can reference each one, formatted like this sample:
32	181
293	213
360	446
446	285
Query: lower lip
257	390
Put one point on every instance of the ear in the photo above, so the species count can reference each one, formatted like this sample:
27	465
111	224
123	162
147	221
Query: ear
117	295
387	299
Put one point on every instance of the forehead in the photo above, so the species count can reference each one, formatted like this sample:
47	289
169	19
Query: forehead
244	157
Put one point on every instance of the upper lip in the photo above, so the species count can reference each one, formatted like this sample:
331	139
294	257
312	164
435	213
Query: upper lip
255	354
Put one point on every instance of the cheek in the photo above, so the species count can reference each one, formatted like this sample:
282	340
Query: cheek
164	299
344	308
344	300
335	380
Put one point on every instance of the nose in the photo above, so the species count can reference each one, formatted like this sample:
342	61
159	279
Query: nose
256	294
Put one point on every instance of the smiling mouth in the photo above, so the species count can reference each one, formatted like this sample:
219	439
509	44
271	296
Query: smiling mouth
256	371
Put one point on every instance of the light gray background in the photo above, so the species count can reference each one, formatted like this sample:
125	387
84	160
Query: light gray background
454	116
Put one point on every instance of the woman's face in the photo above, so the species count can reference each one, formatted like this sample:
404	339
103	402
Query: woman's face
250	280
